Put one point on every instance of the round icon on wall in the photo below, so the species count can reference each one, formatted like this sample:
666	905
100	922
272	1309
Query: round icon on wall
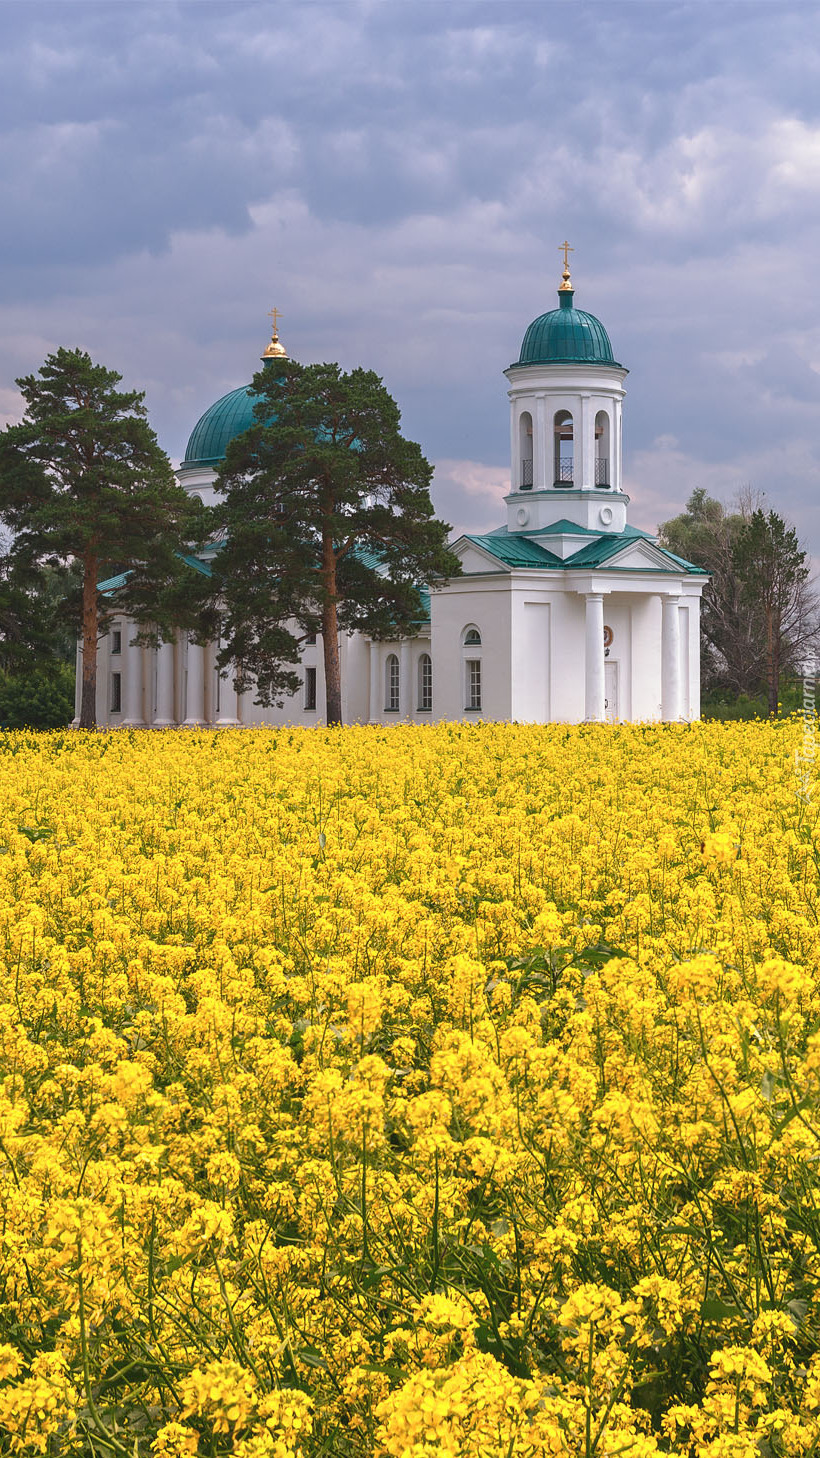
608	637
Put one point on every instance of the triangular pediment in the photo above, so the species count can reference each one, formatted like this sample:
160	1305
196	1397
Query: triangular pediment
476	559
639	556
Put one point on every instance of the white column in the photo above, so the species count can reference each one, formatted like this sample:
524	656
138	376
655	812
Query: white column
164	718
584	445
132	715
543	447
670	658
405	681
245	707
195	706
375	684
105	666
594	662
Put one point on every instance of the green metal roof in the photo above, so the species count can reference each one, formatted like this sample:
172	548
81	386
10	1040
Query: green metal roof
682	562
197	563
516	551
424	594
111	585
567	335
565	528
519	550
594	554
368	558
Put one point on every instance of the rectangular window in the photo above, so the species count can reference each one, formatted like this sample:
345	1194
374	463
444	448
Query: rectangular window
473	666
310	688
425	683
310	639
116	693
116	641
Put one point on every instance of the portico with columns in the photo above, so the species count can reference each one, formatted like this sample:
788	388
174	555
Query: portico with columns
565	612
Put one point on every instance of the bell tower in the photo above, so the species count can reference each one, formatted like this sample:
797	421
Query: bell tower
566	393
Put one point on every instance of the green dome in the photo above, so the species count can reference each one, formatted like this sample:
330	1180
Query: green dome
224	420
567	336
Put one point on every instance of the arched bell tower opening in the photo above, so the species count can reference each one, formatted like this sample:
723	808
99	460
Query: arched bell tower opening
564	459
525	455
603	449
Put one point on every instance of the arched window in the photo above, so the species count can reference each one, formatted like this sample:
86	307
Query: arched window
391	684
602	449
425	683
562	432
471	647
525	453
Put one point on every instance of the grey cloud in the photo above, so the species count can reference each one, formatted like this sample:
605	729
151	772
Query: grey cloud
398	176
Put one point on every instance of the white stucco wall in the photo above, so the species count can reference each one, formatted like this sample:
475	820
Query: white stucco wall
485	603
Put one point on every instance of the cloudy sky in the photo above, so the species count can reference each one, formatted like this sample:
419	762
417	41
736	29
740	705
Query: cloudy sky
396	175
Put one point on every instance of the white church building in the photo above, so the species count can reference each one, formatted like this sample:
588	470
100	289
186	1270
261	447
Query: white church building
564	612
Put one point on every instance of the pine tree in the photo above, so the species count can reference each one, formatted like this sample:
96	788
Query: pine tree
83	481
773	571
327	523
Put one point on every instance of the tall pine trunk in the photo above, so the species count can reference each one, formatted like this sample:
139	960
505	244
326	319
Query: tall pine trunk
330	635
88	699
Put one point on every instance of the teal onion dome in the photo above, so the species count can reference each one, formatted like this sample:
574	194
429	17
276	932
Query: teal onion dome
222	422
229	416
567	335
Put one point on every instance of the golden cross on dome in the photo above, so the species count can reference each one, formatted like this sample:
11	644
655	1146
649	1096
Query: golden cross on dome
566	250
275	349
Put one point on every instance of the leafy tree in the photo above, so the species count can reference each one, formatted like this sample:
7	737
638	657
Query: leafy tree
759	614
327	523
84	482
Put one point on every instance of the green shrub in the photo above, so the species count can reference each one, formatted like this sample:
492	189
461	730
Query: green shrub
40	699
717	705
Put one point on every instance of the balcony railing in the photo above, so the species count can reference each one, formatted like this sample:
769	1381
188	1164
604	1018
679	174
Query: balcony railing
602	471
563	472
526	474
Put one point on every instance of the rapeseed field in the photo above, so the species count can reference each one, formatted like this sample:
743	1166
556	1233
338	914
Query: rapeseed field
410	1093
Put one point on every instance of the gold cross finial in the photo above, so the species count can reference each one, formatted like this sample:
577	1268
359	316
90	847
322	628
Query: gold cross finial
275	350
564	248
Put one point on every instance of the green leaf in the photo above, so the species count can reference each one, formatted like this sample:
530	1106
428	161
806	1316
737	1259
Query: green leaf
713	1309
36	832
